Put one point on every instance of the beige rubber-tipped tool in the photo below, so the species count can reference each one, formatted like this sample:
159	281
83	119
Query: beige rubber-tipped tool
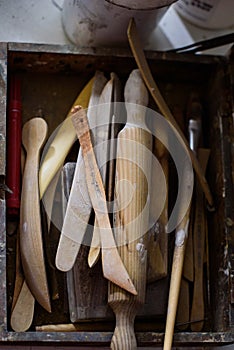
112	265
79	206
142	64
31	246
132	199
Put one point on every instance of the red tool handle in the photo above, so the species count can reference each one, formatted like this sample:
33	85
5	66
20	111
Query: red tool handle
13	170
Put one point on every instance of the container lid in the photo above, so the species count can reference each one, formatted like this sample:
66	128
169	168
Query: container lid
140	4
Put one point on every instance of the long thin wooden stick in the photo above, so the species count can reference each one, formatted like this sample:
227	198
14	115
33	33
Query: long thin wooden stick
142	64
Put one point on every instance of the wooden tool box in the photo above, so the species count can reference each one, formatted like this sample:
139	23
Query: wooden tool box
52	76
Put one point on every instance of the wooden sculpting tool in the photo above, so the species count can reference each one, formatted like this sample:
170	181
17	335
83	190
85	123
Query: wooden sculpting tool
92	304
179	251
62	143
158	237
199	239
22	309
79	206
31	245
101	136
132	188
110	117
138	53
112	265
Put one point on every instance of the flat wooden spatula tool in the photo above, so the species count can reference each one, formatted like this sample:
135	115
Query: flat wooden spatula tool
112	265
79	206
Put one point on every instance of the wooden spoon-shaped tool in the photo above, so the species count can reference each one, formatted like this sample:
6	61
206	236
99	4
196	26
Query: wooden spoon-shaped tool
133	172
112	265
31	246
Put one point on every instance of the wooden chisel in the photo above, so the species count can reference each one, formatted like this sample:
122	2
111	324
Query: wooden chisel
79	205
132	188
112	265
62	143
31	246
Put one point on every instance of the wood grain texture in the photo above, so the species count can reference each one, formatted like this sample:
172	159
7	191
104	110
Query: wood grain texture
79	205
31	246
138	53
199	238
113	268
100	139
133	179
86	288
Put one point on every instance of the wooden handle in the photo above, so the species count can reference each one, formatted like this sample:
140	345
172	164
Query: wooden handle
132	188
138	53
62	143
113	268
198	308
31	246
176	274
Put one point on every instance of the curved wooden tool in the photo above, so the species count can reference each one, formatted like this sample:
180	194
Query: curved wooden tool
23	300
133	172
142	64
79	206
31	246
62	143
113	267
22	313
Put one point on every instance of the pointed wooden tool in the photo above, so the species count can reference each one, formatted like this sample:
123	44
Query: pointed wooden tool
62	143
108	152
179	251
133	179
31	246
198	308
112	265
142	64
79	206
22	309
101	136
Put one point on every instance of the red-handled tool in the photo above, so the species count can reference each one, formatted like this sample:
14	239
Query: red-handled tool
14	148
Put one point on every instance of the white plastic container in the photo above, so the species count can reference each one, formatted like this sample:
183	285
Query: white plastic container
95	23
210	14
